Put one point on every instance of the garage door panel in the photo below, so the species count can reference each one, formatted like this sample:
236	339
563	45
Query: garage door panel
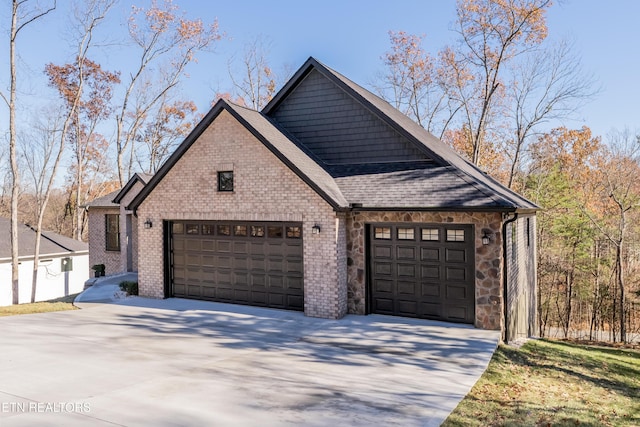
223	277
406	252
208	291
179	288
241	280
456	274
294	284
295	301
194	290
208	260
457	292
429	273
431	310
456	255
384	252
430	290
406	288
208	245
178	244
383	286
223	246
383	268
193	245
459	313
276	283
407	271
429	254
258	264
383	305
241	248
407	308
293	266
224	262
276	300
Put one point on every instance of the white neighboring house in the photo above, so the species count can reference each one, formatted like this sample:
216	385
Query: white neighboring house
63	269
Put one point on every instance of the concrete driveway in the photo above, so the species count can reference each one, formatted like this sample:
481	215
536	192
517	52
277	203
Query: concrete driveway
188	363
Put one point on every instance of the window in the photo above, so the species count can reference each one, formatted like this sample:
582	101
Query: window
257	231
382	232
224	230
455	235
207	229
225	181
177	228
240	230
274	231
193	229
294	232
405	233
430	234
112	232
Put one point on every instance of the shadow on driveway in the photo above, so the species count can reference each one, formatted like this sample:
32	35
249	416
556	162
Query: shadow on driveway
183	362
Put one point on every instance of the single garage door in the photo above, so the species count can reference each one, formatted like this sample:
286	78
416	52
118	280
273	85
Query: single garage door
238	262
424	270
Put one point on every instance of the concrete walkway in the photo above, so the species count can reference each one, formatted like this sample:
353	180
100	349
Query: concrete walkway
178	362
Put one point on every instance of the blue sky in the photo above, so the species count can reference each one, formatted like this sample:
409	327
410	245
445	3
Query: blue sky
351	35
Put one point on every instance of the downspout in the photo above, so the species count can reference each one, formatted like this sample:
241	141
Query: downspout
505	276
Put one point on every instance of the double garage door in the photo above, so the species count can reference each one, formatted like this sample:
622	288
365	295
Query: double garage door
422	270
238	262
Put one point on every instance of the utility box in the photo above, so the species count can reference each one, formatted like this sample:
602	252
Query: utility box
66	264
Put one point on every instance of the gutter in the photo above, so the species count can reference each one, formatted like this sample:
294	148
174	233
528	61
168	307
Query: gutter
505	276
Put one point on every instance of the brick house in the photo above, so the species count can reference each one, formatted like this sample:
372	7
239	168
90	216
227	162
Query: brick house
330	201
113	229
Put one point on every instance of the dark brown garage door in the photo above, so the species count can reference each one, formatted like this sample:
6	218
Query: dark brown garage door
424	271
238	262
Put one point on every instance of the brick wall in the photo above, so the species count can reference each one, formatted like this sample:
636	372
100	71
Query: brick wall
124	216
97	241
264	190
488	259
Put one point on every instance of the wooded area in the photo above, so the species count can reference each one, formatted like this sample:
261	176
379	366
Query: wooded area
500	95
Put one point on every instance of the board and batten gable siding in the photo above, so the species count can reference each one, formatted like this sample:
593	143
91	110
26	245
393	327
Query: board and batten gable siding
336	128
264	190
522	284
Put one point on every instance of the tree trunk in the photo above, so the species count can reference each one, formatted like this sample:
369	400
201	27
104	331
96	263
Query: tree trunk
15	177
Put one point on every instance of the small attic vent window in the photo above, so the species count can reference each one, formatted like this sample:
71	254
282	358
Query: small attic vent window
225	181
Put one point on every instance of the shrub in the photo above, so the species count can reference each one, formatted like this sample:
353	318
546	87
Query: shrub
131	288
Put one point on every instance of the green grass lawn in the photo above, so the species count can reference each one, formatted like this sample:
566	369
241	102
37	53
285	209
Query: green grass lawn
58	304
555	383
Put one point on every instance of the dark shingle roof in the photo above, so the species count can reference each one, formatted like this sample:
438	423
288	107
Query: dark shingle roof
143	178
446	181
104	201
50	243
440	152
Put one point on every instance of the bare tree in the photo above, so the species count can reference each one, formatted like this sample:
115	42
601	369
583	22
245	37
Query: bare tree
23	13
618	189
413	83
545	86
258	83
167	44
171	123
492	33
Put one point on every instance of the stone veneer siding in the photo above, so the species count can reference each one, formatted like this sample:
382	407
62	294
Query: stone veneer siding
488	259
98	254
264	190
